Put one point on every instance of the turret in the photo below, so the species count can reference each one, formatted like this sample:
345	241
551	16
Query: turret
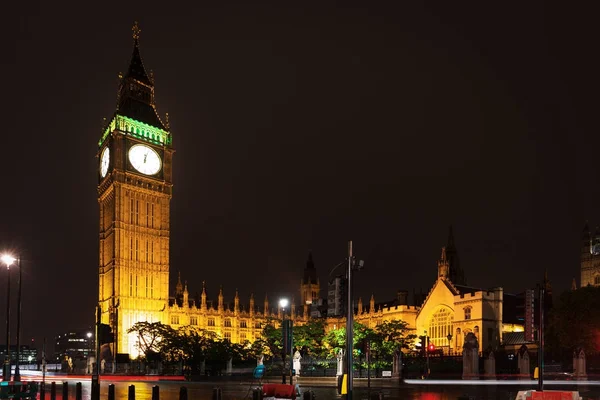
309	286
186	296
360	306
266	311
455	272
220	306
251	304
372	305
585	238
293	309
203	298
305	314
236	303
443	265
178	286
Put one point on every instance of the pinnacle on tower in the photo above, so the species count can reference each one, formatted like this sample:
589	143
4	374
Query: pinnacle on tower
179	286
310	272
136	91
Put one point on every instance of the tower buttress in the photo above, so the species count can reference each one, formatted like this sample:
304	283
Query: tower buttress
372	305
236	303
251	304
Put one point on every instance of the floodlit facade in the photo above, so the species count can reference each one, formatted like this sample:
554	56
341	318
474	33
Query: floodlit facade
590	258
135	156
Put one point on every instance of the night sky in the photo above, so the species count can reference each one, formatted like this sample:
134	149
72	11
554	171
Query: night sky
300	127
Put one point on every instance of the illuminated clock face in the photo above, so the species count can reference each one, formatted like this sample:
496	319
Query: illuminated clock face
104	161
144	159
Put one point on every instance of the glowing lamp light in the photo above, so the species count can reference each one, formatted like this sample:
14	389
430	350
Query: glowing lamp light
7	259
89	335
283	303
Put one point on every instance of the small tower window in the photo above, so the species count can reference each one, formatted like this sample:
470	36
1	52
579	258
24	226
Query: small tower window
468	313
211	322
228	323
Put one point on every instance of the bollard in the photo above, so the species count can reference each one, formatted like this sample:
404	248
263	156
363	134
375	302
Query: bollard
183	393
78	393
53	391
43	390
131	395
308	395
257	394
65	390
155	393
217	394
111	391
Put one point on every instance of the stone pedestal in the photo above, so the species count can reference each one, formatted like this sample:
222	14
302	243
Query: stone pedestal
296	363
579	365
523	363
340	363
470	357
489	366
397	366
229	366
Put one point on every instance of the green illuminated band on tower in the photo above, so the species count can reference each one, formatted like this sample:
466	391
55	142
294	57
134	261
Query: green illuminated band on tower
137	129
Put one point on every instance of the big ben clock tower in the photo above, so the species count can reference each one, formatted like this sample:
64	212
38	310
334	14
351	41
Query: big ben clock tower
134	193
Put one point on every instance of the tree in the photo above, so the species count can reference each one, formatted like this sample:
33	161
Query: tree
272	337
574	323
394	336
154	338
336	338
310	336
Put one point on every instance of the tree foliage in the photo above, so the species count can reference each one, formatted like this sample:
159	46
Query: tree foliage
574	323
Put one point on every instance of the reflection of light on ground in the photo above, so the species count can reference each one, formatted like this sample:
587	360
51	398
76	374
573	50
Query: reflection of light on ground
493	382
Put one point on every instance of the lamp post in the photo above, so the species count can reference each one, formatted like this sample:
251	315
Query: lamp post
8	260
17	369
283	303
449	343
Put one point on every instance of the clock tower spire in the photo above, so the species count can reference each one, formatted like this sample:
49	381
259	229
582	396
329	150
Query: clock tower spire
134	193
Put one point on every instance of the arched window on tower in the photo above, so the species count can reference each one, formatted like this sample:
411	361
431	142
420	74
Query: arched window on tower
597	280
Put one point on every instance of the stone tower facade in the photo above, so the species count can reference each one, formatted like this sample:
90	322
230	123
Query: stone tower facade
134	194
590	257
310	286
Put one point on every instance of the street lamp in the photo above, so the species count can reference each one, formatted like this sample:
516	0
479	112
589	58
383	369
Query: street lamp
8	260
449	342
286	326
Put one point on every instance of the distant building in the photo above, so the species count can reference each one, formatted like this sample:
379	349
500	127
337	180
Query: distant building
27	355
76	344
590	257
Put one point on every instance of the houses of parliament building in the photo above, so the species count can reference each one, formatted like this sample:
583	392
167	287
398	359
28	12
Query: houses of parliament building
135	157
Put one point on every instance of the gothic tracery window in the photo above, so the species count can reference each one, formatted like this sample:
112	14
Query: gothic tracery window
440	326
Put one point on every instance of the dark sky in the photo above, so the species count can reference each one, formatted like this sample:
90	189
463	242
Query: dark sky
301	127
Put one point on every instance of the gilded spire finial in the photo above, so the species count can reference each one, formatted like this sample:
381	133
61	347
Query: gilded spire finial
136	31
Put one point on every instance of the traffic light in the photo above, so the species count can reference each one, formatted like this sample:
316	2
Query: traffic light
105	334
421	345
431	348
